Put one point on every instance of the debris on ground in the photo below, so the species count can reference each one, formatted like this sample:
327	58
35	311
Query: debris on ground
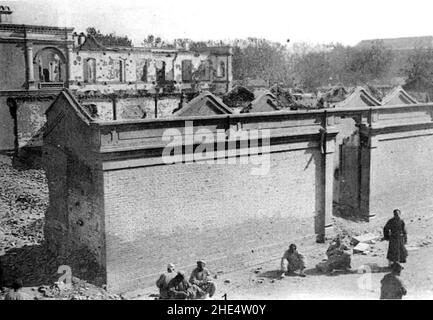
361	248
23	202
23	253
367	238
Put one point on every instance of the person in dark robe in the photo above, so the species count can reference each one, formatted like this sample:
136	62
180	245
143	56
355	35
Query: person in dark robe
391	285
395	232
293	261
179	288
200	277
164	279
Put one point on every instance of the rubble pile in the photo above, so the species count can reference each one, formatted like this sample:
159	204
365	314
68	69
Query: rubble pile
239	97
76	290
23	202
23	252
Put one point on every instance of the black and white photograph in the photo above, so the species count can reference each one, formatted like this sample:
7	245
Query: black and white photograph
223	150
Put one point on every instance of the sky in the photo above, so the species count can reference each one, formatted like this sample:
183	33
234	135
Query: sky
311	21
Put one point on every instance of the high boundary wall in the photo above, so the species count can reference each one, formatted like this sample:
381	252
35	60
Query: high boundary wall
218	212
381	160
150	213
397	149
154	213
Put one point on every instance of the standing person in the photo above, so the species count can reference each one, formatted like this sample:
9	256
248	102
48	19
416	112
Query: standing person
292	261
395	232
391	285
200	277
164	279
15	293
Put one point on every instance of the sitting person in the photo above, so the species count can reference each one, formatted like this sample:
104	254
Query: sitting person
179	288
338	257
391	285
164	279
292	261
200	277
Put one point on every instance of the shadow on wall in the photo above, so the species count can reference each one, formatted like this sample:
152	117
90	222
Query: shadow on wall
27	158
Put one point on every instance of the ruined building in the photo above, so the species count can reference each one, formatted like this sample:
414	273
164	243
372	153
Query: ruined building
37	62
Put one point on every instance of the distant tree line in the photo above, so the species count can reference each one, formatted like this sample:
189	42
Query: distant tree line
302	64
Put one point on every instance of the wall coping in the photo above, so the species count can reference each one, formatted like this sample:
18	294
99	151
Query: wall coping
278	115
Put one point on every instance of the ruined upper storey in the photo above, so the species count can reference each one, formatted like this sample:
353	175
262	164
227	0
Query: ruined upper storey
51	58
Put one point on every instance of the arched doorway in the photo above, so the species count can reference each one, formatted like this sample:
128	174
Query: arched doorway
50	66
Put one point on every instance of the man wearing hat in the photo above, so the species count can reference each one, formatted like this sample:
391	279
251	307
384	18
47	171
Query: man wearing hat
395	232
200	277
164	279
392	286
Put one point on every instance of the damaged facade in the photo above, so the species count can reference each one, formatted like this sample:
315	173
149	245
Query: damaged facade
98	68
37	62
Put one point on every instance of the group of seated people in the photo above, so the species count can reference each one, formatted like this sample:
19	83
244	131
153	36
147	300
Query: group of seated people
338	258
173	285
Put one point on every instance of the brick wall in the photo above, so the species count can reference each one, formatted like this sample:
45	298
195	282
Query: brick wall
402	170
74	219
138	214
180	213
346	129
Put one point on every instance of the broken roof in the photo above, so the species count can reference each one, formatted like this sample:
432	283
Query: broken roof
360	97
264	103
336	93
398	96
238	97
205	103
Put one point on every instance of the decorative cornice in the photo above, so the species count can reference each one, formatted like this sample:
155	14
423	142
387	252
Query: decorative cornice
35	29
35	41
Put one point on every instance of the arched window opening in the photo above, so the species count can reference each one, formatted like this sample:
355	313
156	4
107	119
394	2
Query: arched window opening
90	70
221	70
160	72
122	71
50	66
144	76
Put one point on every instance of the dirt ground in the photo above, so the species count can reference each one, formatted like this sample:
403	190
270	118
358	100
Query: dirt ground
24	199
264	282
